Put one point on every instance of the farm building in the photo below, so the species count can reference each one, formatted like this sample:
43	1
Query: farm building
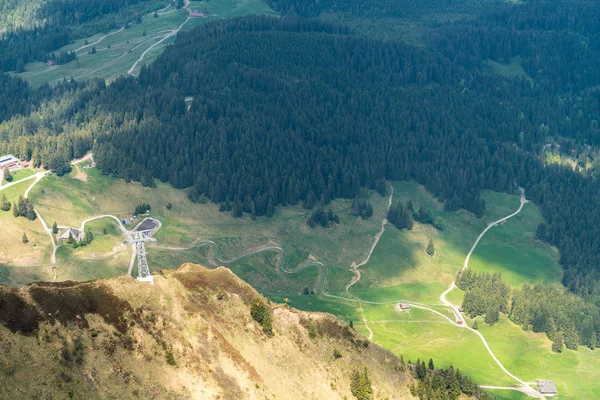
404	307
75	233
197	14
50	63
11	162
547	387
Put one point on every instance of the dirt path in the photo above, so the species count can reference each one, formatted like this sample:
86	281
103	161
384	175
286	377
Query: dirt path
117	59
161	10
365	321
491	225
173	33
99	40
38	177
460	320
88	156
356	268
7	185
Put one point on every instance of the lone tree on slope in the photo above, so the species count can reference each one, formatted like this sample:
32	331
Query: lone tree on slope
430	248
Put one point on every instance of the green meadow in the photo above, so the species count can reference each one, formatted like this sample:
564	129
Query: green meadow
398	270
116	54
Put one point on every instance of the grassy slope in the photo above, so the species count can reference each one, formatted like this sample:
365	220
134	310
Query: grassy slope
400	269
529	356
512	248
19	175
69	201
127	46
413	275
12	248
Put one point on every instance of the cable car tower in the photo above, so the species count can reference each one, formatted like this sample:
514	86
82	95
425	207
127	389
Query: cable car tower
138	239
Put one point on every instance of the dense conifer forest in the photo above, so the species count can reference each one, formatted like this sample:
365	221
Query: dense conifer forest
290	111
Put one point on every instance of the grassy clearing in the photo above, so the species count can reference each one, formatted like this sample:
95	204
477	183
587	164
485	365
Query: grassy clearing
445	343
70	270
400	267
513	69
12	249
529	356
512	249
102	245
69	201
19	175
117	53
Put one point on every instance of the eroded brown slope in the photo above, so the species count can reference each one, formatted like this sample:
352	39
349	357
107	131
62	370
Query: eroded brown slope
118	338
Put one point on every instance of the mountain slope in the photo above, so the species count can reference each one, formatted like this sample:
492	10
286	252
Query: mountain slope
119	338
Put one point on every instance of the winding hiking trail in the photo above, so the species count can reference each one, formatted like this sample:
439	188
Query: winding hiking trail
173	33
355	267
99	40
491	225
460	320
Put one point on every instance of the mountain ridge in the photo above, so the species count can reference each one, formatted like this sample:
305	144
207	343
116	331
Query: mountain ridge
191	335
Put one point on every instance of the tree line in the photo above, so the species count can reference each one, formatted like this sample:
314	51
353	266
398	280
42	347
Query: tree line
549	308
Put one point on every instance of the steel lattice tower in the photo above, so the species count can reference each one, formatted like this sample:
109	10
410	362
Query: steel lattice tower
143	271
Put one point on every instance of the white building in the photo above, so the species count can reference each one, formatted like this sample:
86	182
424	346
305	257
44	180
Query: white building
11	162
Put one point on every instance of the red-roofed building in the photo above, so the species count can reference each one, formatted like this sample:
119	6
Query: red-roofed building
11	162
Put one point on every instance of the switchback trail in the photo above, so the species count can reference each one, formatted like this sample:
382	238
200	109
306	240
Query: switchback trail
356	268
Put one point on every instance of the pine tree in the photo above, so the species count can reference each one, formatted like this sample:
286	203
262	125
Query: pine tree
4	204
7	175
89	236
475	325
431	365
571	339
430	248
360	385
25	239
270	209
351	324
54	228
492	316
557	343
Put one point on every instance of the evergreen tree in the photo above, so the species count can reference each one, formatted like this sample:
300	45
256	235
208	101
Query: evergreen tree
4	204
431	365
270	209
54	228
24	238
557	343
89	236
492	316
360	385
7	175
571	339
430	248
